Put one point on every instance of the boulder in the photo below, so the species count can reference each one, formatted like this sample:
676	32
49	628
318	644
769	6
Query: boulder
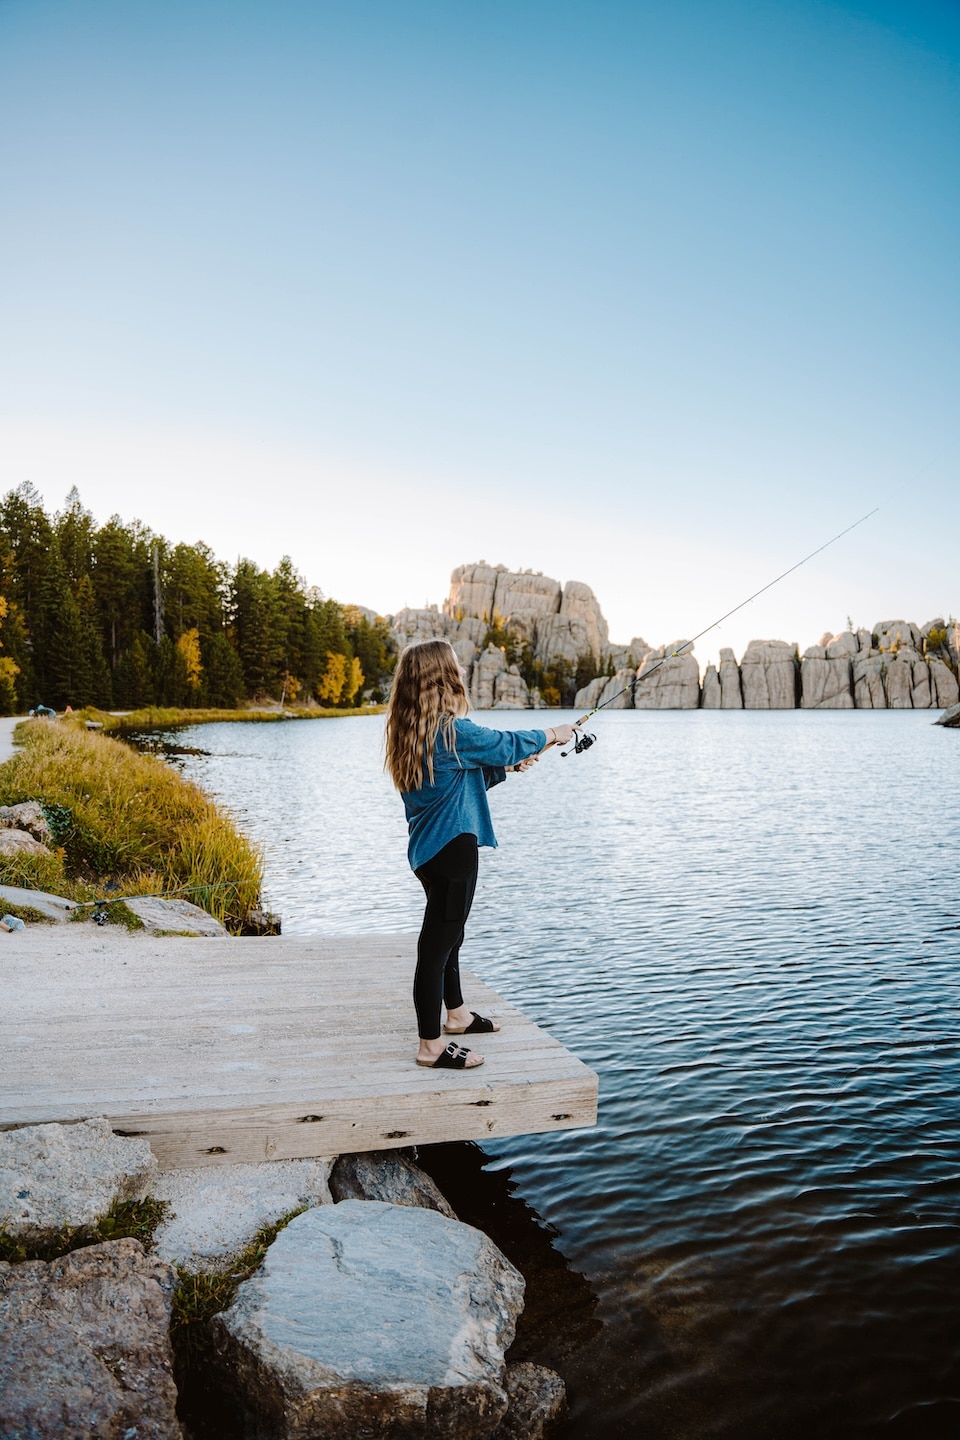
562	637
538	1402
943	684
845	643
588	697
578	602
826	684
710	694
525	594
673	683
891	634
868	691
425	624
617	691
510	691
921	691
768	675
173	917
85	1346
54	907
18	842
490	664
472	590
949	717
627	657
54	1177
898	679
27	816
372	1319
215	1211
865	641
389	1176
731	693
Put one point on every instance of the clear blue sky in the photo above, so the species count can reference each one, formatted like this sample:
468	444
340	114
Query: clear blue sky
655	296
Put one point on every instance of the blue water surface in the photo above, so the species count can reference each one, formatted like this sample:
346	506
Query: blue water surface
749	925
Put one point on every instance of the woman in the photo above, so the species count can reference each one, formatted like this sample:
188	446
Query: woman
443	765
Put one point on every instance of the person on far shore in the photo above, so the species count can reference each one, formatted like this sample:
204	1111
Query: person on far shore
443	765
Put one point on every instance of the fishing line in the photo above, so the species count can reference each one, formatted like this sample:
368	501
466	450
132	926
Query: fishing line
583	742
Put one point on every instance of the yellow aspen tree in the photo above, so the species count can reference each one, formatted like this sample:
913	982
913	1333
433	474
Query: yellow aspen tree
189	647
353	682
333	679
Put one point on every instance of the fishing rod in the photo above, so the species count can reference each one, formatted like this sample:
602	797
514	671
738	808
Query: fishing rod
583	742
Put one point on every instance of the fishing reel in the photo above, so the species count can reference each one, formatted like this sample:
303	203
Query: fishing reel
580	743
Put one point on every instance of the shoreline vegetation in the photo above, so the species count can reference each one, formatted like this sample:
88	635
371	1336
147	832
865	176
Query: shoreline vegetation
124	823
157	717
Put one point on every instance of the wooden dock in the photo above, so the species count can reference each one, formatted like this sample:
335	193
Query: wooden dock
218	1051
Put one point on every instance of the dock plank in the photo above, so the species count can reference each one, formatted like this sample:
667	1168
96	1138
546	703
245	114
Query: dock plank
219	1051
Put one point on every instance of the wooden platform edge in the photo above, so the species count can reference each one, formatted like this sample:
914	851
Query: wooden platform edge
184	1140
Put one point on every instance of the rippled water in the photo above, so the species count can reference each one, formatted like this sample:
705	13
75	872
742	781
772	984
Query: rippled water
749	924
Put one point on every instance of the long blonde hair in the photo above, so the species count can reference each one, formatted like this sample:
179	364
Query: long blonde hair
426	697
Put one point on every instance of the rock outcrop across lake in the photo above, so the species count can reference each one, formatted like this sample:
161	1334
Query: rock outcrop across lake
520	634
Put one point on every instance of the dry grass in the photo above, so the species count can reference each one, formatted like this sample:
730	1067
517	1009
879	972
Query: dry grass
155	718
125	823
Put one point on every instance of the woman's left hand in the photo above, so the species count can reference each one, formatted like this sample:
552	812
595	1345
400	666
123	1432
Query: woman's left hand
524	764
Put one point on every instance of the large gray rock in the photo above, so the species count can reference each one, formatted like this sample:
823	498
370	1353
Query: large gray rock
563	637
666	681
85	1347
588	697
768	675
826	683
18	842
215	1211
389	1176
27	816
372	1319
538	1402
868	691
174	917
898	680
618	690
844	644
943	684
63	1176
893	633
710	694
490	665
949	717
731	693
525	595
53	906
627	657
579	603
510	690
472	590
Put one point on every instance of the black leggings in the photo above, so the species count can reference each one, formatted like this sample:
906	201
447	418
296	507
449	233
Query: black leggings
449	880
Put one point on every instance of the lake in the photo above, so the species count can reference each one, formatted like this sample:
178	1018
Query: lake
749	924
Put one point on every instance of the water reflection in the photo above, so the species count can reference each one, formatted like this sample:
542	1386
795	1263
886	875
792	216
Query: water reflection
749	925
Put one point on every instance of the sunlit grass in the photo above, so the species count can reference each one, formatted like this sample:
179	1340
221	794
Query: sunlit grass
125	824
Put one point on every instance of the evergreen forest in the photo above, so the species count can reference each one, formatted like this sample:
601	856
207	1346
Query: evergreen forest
113	615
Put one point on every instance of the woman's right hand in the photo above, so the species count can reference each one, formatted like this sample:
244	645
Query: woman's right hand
559	734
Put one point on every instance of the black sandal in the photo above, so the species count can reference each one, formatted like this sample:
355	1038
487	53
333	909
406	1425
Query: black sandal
479	1025
453	1058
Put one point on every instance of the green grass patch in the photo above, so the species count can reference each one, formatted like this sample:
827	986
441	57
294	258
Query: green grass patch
137	1219
26	913
127	823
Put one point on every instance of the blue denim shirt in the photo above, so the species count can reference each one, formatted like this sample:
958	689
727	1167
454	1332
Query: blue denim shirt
456	803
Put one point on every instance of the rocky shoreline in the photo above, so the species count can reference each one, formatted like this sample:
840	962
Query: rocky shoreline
896	665
372	1311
